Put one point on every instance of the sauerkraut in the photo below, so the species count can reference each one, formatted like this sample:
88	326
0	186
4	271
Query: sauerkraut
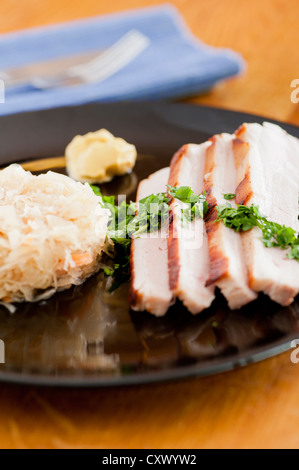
52	233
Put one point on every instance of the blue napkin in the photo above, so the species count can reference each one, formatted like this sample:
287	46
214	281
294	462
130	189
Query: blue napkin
174	65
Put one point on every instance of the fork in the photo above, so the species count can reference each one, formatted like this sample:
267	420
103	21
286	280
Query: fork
113	59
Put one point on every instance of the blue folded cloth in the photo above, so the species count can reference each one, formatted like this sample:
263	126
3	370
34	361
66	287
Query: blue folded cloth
174	65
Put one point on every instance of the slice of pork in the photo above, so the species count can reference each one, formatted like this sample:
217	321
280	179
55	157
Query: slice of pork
228	267
149	269
188	252
267	161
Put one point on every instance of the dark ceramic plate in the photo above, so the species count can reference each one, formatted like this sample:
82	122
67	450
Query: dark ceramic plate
86	337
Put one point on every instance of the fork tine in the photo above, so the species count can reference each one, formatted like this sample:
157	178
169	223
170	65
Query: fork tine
129	40
115	58
114	66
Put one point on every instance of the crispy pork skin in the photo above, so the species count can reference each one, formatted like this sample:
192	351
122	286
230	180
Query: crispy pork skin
267	162
149	268
228	267
188	252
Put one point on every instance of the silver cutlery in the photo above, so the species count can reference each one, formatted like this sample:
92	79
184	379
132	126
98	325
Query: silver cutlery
95	69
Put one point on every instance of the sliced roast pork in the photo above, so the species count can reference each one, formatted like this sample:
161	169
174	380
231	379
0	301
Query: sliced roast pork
188	252
149	269
228	268
267	161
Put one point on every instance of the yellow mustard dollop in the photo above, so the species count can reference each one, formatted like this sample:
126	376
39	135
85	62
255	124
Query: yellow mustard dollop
99	156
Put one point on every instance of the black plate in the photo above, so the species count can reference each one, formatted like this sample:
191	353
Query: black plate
84	336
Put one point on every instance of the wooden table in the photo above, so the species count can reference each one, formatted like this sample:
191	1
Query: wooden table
252	407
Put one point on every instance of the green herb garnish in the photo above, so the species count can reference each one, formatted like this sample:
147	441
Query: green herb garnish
229	196
120	217
294	251
198	205
153	212
244	218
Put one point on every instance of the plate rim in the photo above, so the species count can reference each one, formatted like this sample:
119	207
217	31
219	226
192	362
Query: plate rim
205	369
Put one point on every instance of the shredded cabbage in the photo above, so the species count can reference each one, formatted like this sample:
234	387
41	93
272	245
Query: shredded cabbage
52	233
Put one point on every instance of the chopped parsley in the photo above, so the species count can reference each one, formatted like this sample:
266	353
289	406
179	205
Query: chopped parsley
153	211
198	205
229	196
120	217
244	218
294	251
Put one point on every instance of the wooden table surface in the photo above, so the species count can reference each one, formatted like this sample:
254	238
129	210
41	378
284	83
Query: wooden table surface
252	407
